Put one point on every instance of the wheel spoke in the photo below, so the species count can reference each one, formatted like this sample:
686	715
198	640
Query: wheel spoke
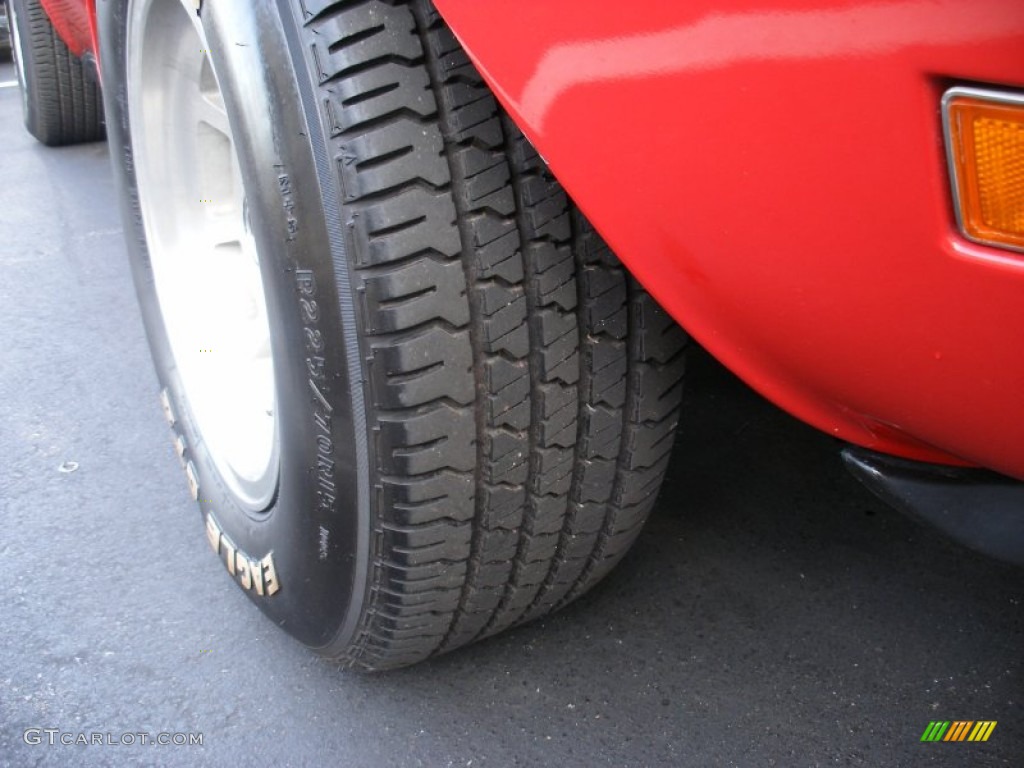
210	106
213	115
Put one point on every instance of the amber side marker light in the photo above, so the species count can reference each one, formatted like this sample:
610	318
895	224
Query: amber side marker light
985	146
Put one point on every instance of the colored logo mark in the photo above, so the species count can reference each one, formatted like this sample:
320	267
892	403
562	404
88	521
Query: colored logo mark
958	730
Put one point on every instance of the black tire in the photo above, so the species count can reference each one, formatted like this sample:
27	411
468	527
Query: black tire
61	101
5	33
480	408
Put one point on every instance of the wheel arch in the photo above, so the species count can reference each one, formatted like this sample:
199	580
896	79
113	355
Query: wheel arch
777	237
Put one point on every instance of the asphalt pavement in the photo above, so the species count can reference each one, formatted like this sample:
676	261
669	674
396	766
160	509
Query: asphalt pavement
772	613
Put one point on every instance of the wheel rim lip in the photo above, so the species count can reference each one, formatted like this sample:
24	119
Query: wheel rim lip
183	155
19	56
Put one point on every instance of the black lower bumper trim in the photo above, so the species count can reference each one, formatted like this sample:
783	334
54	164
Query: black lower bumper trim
978	508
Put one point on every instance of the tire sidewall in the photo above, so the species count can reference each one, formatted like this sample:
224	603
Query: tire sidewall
317	530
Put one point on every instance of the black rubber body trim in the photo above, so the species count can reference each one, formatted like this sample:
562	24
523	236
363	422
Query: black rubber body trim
980	509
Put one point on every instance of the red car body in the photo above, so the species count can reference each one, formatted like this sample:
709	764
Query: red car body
773	171
75	22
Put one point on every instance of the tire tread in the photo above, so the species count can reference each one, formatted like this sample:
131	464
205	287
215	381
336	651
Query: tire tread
510	355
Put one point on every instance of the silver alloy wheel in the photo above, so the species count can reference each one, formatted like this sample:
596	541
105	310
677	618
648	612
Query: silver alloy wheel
17	53
204	258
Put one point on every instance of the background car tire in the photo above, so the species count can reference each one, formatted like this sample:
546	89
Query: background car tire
476	402
61	102
5	33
